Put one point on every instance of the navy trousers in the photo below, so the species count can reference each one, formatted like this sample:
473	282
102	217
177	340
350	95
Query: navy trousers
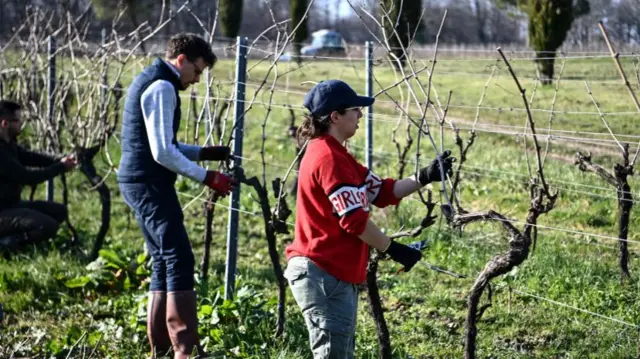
159	215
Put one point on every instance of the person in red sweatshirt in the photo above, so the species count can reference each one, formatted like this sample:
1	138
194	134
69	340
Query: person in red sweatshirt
333	233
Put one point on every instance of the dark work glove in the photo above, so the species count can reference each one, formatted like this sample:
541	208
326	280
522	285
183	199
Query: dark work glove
431	173
215	153
404	255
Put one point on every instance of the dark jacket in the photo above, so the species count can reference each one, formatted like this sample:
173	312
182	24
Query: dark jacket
20	167
137	163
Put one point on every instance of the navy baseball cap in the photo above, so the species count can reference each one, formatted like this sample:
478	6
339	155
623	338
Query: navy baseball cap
332	95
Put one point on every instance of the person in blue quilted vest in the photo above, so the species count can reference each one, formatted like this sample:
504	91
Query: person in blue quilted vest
151	159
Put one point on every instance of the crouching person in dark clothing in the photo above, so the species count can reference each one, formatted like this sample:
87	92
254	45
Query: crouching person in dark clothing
23	222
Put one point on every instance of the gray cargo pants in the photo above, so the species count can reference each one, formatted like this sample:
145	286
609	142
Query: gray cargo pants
329	307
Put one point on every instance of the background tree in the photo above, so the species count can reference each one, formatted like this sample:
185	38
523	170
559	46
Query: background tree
230	17
297	10
481	12
549	23
470	21
401	17
627	26
583	31
108	9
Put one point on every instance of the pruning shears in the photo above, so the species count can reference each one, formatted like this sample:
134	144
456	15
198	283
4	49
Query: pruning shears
421	245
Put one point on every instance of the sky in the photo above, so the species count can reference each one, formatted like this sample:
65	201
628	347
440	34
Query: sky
345	10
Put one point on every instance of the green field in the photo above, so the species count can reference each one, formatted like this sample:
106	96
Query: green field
103	316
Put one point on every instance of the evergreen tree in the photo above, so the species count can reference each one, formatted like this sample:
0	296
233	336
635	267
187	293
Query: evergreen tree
230	17
297	10
549	23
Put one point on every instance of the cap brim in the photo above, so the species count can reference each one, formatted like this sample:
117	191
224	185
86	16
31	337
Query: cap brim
363	101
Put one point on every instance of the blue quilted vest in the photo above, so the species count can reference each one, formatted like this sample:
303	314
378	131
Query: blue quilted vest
137	164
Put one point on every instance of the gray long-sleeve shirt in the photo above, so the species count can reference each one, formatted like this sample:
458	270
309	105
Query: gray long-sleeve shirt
158	104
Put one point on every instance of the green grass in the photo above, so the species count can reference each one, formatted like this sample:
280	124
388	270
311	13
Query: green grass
425	310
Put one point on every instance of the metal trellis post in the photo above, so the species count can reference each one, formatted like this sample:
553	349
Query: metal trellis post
207	123
105	74
51	98
369	91
234	202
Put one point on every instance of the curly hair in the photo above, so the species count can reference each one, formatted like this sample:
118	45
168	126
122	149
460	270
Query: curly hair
314	126
192	46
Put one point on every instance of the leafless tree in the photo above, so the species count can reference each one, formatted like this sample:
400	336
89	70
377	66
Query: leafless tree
621	171
542	201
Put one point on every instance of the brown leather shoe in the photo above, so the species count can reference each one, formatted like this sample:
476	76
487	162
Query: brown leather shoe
157	324
182	322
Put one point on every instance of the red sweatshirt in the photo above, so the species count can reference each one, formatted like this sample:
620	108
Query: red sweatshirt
334	192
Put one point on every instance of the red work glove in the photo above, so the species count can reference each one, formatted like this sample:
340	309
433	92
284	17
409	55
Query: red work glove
219	182
215	153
